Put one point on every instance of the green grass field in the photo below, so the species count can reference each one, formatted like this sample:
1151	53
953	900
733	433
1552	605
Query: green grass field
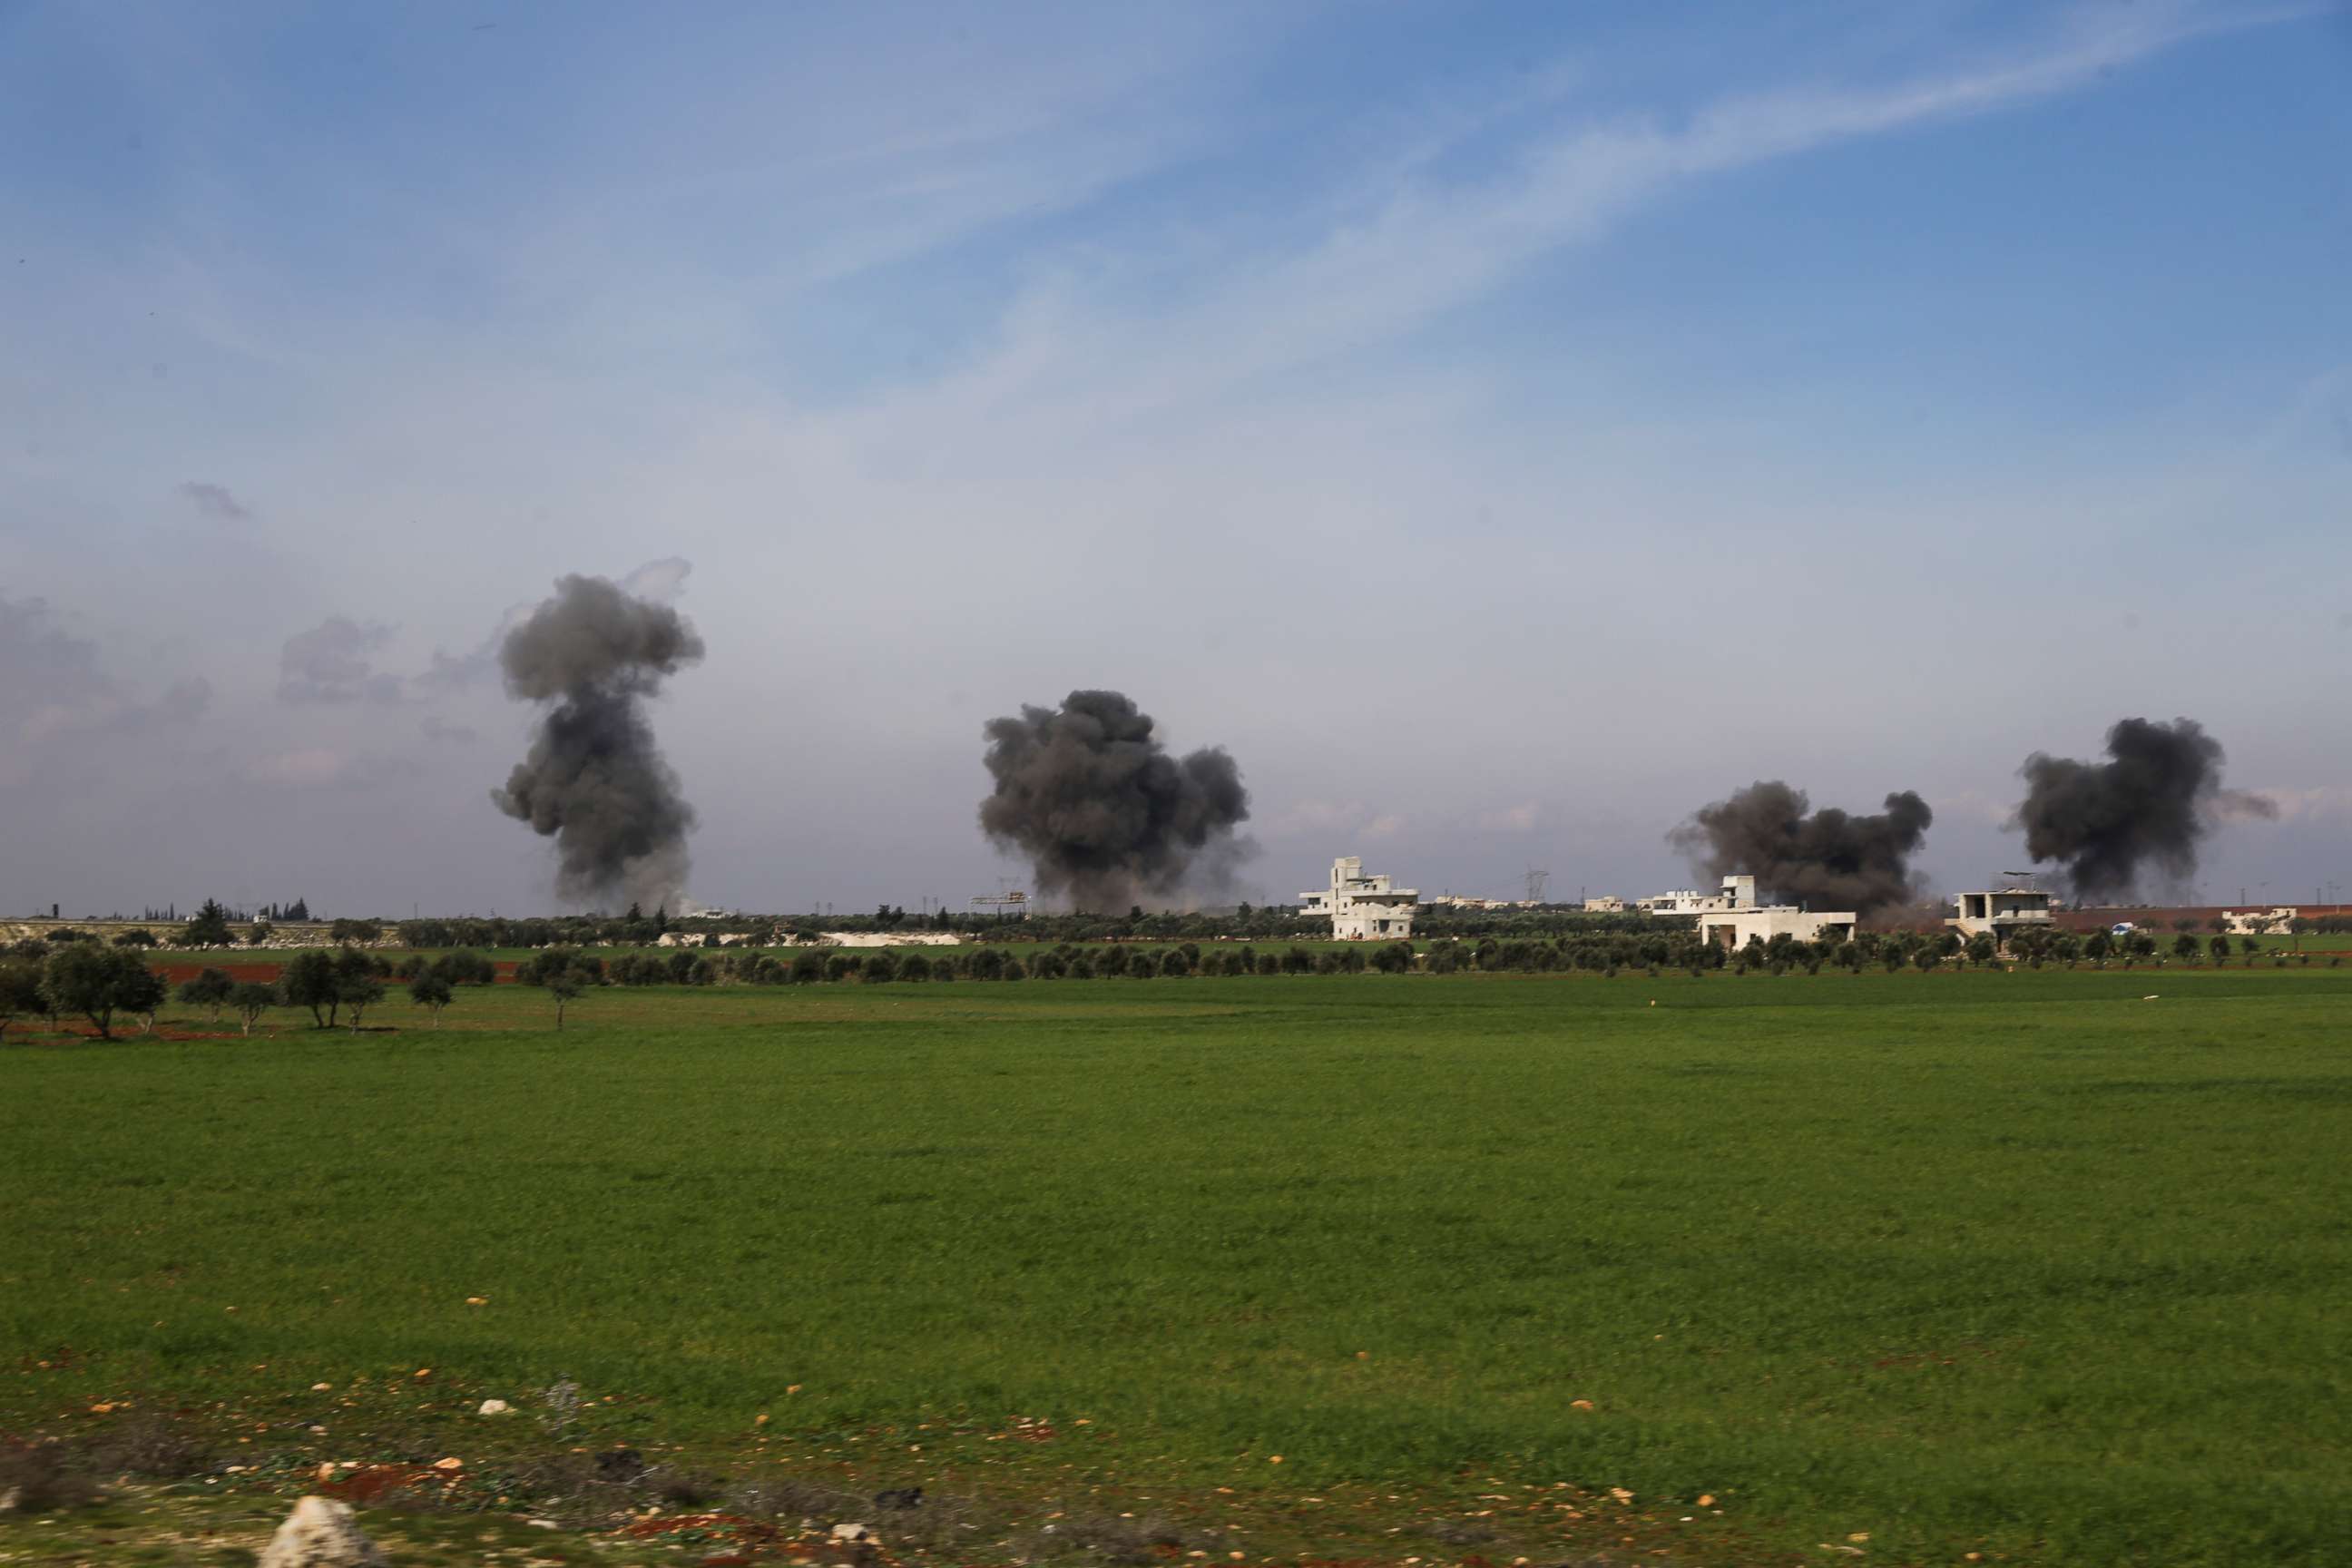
2018	1263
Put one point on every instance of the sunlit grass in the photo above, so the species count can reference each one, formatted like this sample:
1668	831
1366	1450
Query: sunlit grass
2007	1259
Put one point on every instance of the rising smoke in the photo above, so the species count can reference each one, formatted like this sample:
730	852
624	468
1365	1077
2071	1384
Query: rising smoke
1823	860
595	780
2149	803
1105	815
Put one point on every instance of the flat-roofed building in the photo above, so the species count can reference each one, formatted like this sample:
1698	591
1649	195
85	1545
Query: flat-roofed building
1362	908
2002	912
1732	917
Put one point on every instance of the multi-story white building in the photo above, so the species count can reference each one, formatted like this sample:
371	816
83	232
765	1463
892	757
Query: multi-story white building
1362	908
1733	918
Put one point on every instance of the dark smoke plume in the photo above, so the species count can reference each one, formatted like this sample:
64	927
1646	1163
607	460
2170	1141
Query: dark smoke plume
1104	814
2149	803
1825	860
595	780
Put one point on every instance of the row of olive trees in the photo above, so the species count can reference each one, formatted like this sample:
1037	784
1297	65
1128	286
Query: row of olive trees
86	979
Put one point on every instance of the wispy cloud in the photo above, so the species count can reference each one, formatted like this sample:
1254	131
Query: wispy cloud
331	662
1431	247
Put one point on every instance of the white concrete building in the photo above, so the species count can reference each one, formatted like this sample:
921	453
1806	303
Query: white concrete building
1732	917
1606	905
2002	912
2254	922
1362	908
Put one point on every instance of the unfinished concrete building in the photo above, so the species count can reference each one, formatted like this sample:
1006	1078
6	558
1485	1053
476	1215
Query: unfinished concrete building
1362	908
2002	912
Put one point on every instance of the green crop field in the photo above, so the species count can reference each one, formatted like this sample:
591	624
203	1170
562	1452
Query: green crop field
1907	1267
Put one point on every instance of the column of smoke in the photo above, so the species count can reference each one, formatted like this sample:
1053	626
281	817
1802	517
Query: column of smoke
1825	859
2150	805
1104	814
595	780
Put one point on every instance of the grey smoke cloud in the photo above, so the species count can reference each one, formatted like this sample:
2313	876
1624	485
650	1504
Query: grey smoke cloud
1104	815
216	501
595	780
330	663
1827	859
2150	805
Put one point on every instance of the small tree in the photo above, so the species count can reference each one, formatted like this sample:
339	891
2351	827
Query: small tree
309	981
249	1000
143	995
562	973
431	990
137	936
258	934
2220	949
209	989
20	991
97	982
2184	946
358	990
1982	948
207	928
348	933
564	989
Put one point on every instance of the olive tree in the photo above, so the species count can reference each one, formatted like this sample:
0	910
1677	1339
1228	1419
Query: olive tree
249	1000
431	990
99	982
209	989
20	991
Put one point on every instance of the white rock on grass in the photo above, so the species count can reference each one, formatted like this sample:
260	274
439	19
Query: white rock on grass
849	1532
495	1408
320	1534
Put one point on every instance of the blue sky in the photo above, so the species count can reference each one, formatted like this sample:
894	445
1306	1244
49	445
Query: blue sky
1505	428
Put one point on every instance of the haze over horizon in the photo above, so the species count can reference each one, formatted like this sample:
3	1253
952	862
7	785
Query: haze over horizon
1504	429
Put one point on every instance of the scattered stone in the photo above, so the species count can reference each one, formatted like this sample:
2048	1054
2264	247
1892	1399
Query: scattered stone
543	1525
320	1534
451	1463
849	1532
496	1407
